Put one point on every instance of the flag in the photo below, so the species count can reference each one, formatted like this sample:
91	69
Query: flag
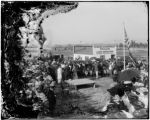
132	58
126	39
128	43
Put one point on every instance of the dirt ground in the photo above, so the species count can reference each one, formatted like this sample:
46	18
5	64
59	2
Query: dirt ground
86	102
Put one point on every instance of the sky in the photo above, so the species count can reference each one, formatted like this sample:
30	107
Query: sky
98	22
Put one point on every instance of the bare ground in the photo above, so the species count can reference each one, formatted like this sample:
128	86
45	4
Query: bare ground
84	103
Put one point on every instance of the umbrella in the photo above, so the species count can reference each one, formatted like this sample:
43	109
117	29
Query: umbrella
128	75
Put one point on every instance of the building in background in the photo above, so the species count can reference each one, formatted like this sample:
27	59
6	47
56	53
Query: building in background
105	51
83	52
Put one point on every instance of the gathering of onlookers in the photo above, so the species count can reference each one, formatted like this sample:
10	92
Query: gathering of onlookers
44	75
65	70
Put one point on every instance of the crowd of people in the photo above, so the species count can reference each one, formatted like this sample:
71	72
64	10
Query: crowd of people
65	70
43	75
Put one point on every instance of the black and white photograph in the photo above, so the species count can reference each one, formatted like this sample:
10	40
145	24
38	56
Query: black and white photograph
74	60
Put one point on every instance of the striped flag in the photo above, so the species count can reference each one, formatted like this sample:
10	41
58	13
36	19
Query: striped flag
128	43
126	39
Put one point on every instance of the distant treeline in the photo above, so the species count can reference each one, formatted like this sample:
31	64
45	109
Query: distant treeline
134	44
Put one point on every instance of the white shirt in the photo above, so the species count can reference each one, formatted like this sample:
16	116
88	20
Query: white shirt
59	74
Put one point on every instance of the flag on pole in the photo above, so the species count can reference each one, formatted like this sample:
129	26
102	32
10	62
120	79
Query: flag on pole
127	42
132	58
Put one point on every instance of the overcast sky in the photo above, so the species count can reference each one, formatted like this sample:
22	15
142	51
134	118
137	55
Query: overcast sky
98	22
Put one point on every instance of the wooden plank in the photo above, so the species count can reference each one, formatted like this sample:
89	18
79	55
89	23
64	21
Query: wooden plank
80	82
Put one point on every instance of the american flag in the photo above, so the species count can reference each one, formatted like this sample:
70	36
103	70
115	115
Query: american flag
126	39
128	43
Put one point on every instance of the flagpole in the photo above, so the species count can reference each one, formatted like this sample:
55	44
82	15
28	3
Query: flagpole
126	41
73	51
124	56
124	51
